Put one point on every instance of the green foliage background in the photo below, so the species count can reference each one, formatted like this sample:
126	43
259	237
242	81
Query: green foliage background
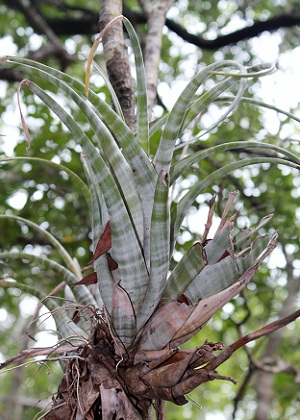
55	202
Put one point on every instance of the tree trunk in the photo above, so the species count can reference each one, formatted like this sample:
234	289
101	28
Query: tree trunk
156	12
264	380
116	58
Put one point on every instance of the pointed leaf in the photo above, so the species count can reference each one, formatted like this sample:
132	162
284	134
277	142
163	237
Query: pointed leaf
104	243
178	113
184	273
88	279
215	248
207	307
179	211
143	125
184	164
159	249
144	172
131	265
217	277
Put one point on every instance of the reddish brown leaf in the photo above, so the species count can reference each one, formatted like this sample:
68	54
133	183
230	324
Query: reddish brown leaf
183	299
226	253
112	264
76	317
104	243
209	219
89	279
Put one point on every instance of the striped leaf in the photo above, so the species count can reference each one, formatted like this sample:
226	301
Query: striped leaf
131	266
159	249
142	107
174	323
185	164
139	162
179	211
178	114
123	318
206	308
184	273
111	152
218	276
198	106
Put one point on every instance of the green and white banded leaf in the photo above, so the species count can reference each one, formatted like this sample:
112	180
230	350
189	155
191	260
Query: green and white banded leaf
112	93
142	168
179	211
253	101
142	107
112	154
81	292
184	164
131	269
178	114
206	308
123	318
216	247
139	161
218	276
185	271
207	98
159	249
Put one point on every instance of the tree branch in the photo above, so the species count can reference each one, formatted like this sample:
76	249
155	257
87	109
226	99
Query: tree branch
156	17
40	25
272	24
264	378
241	342
116	58
87	24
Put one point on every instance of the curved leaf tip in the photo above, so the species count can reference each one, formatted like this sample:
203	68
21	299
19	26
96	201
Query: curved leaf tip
93	51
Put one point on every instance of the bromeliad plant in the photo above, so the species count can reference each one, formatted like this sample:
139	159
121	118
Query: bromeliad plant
126	357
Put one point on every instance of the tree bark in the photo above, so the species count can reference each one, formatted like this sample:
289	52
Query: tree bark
264	380
116	58
155	12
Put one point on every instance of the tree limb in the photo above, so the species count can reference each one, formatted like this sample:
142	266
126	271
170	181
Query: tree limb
272	24
116	58
241	342
87	24
264	378
40	25
156	17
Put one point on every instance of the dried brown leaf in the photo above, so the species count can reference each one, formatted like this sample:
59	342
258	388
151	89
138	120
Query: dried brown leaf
88	279
76	317
104	243
164	325
112	264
